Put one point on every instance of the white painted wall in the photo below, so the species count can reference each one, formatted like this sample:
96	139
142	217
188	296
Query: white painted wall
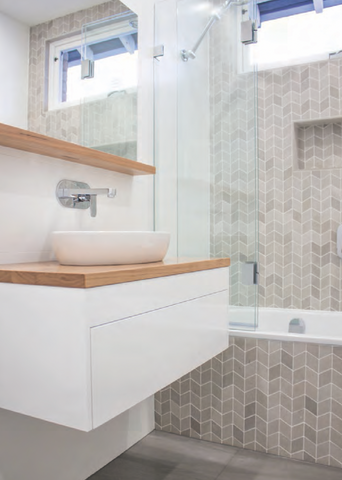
14	55
30	211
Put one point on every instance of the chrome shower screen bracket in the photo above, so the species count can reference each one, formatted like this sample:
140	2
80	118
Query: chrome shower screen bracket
186	54
249	32
158	51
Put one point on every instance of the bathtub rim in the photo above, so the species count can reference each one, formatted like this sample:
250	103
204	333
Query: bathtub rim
280	335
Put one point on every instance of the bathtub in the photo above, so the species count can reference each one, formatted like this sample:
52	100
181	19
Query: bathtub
322	327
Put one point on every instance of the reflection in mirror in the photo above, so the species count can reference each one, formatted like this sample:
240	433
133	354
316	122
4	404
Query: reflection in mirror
106	78
99	111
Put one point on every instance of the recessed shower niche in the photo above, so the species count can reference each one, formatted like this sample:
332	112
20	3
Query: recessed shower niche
318	144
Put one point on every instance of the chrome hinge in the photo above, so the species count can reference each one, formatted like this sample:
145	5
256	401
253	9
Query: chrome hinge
158	51
249	32
250	273
87	69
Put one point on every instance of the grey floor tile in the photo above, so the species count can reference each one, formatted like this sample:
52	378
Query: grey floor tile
124	469
300	470
175	474
243	467
180	474
163	456
183	445
183	453
98	476
248	465
131	468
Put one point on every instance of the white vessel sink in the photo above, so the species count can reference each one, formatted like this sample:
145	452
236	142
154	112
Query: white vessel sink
109	248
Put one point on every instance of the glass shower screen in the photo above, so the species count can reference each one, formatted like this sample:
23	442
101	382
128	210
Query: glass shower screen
214	130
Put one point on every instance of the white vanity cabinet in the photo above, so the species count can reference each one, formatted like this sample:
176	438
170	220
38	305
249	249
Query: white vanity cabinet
80	357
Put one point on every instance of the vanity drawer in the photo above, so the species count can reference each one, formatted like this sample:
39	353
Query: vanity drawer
134	358
116	302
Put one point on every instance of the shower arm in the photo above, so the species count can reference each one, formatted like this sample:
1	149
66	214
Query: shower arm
186	54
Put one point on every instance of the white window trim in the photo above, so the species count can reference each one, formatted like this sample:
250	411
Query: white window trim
271	63
54	78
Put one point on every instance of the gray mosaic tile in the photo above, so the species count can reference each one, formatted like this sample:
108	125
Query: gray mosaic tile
300	419
316	202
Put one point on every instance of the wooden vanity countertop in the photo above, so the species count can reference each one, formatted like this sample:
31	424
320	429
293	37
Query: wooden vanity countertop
55	275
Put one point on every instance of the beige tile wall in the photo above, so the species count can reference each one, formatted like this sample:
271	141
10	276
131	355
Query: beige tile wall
300	178
319	146
233	157
283	398
300	195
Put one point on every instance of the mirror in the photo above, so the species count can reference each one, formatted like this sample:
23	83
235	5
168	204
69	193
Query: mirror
98	111
107	79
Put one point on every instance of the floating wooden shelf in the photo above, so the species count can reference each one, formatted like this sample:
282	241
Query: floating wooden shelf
55	275
19	139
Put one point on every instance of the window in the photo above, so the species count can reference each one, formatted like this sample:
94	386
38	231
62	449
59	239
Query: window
293	33
111	51
273	9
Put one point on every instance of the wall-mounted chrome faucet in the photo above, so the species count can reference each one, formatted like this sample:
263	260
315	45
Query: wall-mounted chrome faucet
79	195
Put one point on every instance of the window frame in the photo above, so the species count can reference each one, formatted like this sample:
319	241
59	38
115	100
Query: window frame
274	9
55	72
328	53
77	42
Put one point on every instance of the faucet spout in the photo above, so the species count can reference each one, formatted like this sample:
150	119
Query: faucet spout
69	192
79	195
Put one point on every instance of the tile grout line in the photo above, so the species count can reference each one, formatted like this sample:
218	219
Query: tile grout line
229	461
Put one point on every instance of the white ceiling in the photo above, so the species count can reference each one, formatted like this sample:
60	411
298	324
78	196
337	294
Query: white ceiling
33	12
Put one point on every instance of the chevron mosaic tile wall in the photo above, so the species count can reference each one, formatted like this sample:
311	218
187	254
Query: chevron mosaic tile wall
283	398
233	157
300	178
98	123
319	146
300	186
111	125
